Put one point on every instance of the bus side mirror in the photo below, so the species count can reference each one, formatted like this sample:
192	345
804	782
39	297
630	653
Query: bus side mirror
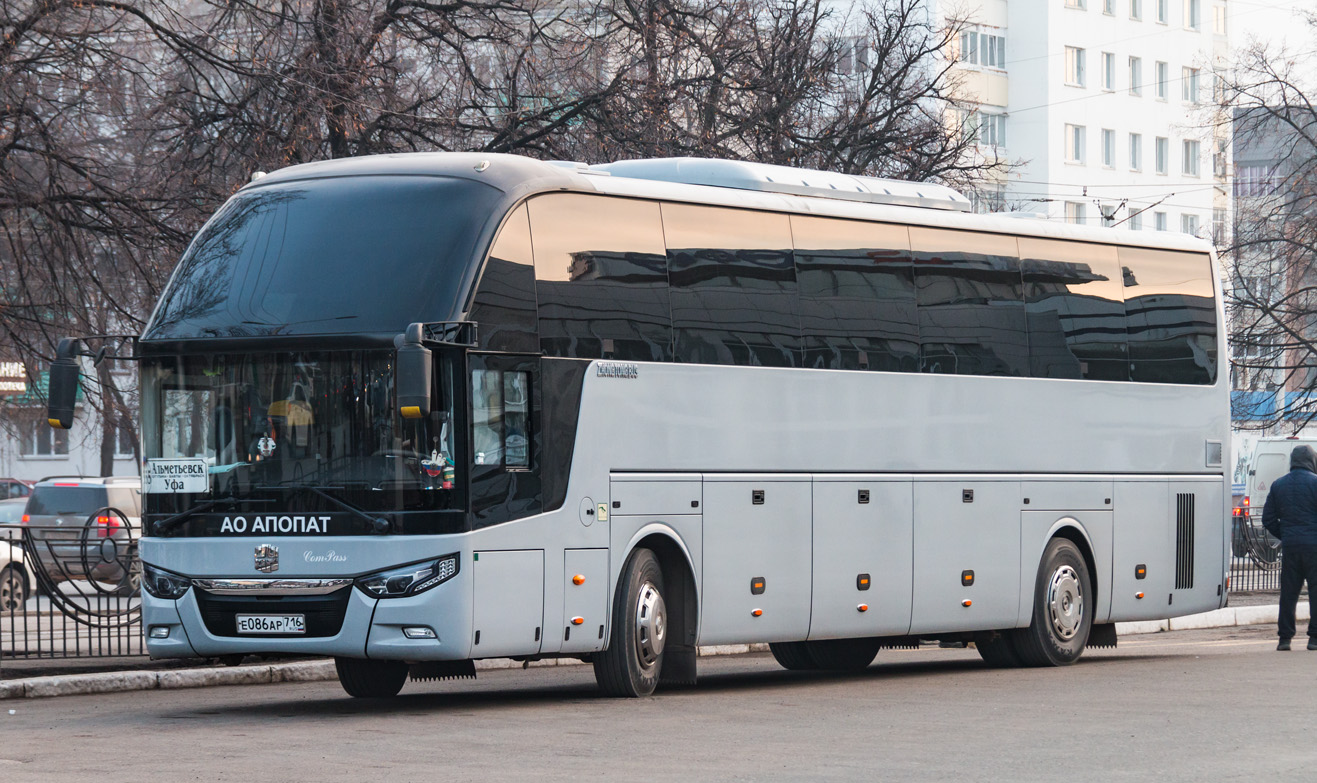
412	374
62	392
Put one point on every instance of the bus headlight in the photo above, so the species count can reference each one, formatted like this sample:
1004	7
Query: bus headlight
163	584
410	579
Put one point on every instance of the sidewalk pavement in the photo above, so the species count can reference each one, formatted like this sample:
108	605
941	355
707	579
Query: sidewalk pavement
314	671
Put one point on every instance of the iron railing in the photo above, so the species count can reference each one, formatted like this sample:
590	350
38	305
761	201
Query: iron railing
1255	557
70	592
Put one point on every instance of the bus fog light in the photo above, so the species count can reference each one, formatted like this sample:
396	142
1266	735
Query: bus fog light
419	632
159	632
409	579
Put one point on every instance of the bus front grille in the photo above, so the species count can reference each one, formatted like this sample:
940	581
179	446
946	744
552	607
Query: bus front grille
324	613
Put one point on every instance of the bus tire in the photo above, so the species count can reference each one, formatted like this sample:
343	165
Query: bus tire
793	656
843	655
365	679
997	650
1062	609
631	665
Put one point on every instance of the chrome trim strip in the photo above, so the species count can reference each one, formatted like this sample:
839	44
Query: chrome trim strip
271	586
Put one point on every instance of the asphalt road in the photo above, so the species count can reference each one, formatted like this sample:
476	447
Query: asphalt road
1197	705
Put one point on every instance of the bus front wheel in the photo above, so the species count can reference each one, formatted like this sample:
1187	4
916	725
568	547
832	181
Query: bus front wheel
371	679
631	664
1062	609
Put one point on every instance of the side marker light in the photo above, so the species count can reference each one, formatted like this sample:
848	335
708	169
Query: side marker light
577	620
966	602
862	608
757	612
579	579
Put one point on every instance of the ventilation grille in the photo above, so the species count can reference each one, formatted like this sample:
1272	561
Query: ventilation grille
1214	453
1184	541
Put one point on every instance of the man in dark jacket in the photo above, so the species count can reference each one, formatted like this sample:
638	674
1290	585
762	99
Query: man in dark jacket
1290	514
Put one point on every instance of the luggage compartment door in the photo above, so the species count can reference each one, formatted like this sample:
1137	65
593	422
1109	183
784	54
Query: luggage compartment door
509	603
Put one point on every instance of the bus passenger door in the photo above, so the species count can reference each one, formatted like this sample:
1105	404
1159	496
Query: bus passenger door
862	558
505	442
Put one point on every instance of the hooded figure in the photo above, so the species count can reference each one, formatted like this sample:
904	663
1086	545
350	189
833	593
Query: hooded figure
1290	514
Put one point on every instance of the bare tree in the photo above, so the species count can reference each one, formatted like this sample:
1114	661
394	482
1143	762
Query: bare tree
1272	256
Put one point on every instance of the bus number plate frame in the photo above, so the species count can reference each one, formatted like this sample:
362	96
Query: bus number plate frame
268	624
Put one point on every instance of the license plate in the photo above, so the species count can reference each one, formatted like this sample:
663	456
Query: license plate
271	623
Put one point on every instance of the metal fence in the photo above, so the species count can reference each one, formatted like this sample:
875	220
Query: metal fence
69	592
1255	557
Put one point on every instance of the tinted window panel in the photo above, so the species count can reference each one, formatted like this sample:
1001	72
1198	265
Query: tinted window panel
602	280
971	303
857	295
733	286
348	255
1076	310
1170	316
504	307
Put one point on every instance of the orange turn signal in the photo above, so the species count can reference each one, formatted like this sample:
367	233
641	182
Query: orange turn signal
862	608
577	620
966	602
1138	595
757	612
579	579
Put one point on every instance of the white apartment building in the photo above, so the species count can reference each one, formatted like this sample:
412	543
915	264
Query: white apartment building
1103	105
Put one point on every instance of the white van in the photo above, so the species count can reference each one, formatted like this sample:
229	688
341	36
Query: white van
1271	460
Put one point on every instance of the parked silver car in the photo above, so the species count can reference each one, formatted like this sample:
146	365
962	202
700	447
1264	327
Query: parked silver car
15	579
87	528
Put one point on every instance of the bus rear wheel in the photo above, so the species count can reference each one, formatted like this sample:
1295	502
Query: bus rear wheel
793	656
631	664
364	679
1062	609
843	655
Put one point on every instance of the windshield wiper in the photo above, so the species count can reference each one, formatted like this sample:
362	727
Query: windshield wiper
377	524
165	525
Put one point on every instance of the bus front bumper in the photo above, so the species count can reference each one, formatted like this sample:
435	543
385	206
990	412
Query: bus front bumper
388	629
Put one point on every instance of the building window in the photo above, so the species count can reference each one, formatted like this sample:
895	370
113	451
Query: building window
1109	7
1190	163
1108	71
1136	9
1136	76
992	130
1074	66
1162	11
123	443
1189	224
1163	80
1159	221
1255	180
969	47
1218	226
1219	19
1162	155
38	439
1074	212
1193	14
1074	143
1136	220
1136	152
1189	84
1108	148
1080	4
988	198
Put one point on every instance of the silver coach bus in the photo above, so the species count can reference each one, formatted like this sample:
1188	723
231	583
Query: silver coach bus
411	411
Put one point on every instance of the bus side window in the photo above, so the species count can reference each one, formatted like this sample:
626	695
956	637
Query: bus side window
504	305
1170	315
1074	300
602	282
857	295
733	280
971	303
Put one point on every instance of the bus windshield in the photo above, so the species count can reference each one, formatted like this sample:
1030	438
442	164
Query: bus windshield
287	420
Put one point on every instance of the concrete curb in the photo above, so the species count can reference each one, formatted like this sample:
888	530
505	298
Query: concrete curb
318	671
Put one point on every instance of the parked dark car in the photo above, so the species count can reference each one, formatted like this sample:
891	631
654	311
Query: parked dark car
15	488
87	528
